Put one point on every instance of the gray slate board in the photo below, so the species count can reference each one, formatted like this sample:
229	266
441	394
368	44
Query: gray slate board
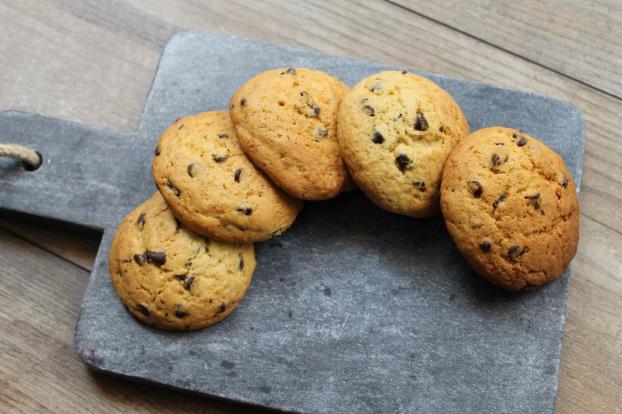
351	310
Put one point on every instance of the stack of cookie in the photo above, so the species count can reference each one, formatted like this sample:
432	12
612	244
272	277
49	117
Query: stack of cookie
184	259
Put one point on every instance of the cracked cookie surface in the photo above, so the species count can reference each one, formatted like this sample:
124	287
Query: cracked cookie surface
171	278
285	120
395	131
213	188
511	206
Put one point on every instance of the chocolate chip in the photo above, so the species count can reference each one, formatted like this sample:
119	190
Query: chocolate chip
174	189
515	252
420	185
139	259
181	314
141	220
237	175
319	134
155	258
535	199
496	160
241	265
404	72
475	188
314	110
143	309
222	308
219	158
223	136
243	102
190	172
186	280
290	71
157	151
421	124
369	110
564	183
498	201
485	246
378	138
247	211
522	141
304	94
441	129
403	162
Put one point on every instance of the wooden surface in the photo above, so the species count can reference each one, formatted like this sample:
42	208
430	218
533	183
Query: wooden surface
93	62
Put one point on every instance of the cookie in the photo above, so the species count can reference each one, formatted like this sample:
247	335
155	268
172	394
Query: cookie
511	206
171	278
213	188
285	120
395	131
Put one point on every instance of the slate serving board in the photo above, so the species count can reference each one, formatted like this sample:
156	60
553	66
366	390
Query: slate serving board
351	310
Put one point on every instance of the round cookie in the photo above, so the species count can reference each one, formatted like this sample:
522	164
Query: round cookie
171	278
286	122
395	131
213	188
511	206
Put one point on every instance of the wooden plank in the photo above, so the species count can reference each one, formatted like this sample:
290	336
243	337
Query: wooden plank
591	373
41	297
56	64
78	246
59	50
580	39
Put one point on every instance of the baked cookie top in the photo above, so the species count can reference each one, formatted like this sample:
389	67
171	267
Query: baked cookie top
172	278
511	206
286	122
213	188
396	130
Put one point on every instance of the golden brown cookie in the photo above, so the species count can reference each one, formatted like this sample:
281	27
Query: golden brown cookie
511	206
285	120
395	132
171	278
213	188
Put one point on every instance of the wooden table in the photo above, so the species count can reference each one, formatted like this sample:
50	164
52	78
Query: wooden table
93	62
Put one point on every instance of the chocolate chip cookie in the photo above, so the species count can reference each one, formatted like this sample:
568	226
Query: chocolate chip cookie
213	188
171	278
511	206
286	123
395	131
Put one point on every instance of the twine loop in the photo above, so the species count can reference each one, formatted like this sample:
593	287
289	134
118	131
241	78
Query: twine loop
30	158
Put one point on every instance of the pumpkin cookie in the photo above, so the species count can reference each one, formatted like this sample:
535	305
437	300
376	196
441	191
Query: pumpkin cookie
171	278
285	120
213	188
395	131
511	206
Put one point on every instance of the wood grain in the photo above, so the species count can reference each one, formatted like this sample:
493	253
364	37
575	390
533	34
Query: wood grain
93	62
580	39
76	245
